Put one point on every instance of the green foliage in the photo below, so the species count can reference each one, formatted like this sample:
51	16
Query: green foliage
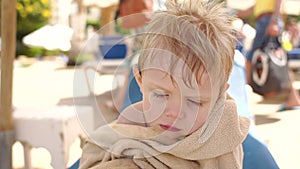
30	51
31	15
250	20
94	24
297	18
120	30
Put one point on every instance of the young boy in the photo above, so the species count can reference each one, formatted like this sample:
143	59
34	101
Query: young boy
185	119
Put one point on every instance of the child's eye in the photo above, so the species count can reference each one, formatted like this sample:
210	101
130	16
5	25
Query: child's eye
195	102
160	94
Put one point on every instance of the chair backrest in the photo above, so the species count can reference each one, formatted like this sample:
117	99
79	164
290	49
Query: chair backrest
113	47
237	89
133	93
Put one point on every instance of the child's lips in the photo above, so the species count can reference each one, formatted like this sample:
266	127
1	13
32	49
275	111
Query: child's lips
169	128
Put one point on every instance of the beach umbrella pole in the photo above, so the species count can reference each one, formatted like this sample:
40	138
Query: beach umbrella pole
8	49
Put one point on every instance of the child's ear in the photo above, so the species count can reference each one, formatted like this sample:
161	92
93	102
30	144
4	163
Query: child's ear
227	86
137	76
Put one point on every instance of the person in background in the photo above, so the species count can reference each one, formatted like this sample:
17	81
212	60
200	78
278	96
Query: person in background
291	34
268	22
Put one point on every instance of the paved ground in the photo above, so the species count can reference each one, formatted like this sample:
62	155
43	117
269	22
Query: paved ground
47	83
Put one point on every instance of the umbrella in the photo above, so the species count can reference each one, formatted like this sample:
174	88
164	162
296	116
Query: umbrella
50	37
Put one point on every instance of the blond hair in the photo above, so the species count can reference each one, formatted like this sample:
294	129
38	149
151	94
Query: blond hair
193	30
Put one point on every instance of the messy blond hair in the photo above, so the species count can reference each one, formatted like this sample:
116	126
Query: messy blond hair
193	30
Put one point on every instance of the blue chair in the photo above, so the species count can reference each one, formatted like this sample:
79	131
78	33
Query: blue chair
294	54
113	47
294	58
75	165
256	153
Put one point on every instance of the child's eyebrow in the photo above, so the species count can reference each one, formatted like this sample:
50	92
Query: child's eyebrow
200	98
155	85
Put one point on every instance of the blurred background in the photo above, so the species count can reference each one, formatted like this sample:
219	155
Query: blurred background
77	19
54	36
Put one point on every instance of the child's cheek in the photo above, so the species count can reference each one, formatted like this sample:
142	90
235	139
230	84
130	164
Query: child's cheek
154	108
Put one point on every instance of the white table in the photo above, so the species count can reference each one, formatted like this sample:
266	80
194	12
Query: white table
54	128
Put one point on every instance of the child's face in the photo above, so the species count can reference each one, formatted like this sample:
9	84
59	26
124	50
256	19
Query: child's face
171	104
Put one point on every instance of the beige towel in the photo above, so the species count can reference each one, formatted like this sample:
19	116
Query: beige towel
129	146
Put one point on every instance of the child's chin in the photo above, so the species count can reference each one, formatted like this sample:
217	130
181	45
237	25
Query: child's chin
168	138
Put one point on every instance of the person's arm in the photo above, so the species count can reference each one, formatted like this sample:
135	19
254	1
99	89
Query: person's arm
273	28
276	12
245	13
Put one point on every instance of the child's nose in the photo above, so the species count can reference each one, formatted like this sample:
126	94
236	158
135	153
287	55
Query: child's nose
173	110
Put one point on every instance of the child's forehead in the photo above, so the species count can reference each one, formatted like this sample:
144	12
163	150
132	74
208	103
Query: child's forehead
174	66
165	61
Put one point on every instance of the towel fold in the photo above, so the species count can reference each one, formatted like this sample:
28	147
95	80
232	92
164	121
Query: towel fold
129	146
